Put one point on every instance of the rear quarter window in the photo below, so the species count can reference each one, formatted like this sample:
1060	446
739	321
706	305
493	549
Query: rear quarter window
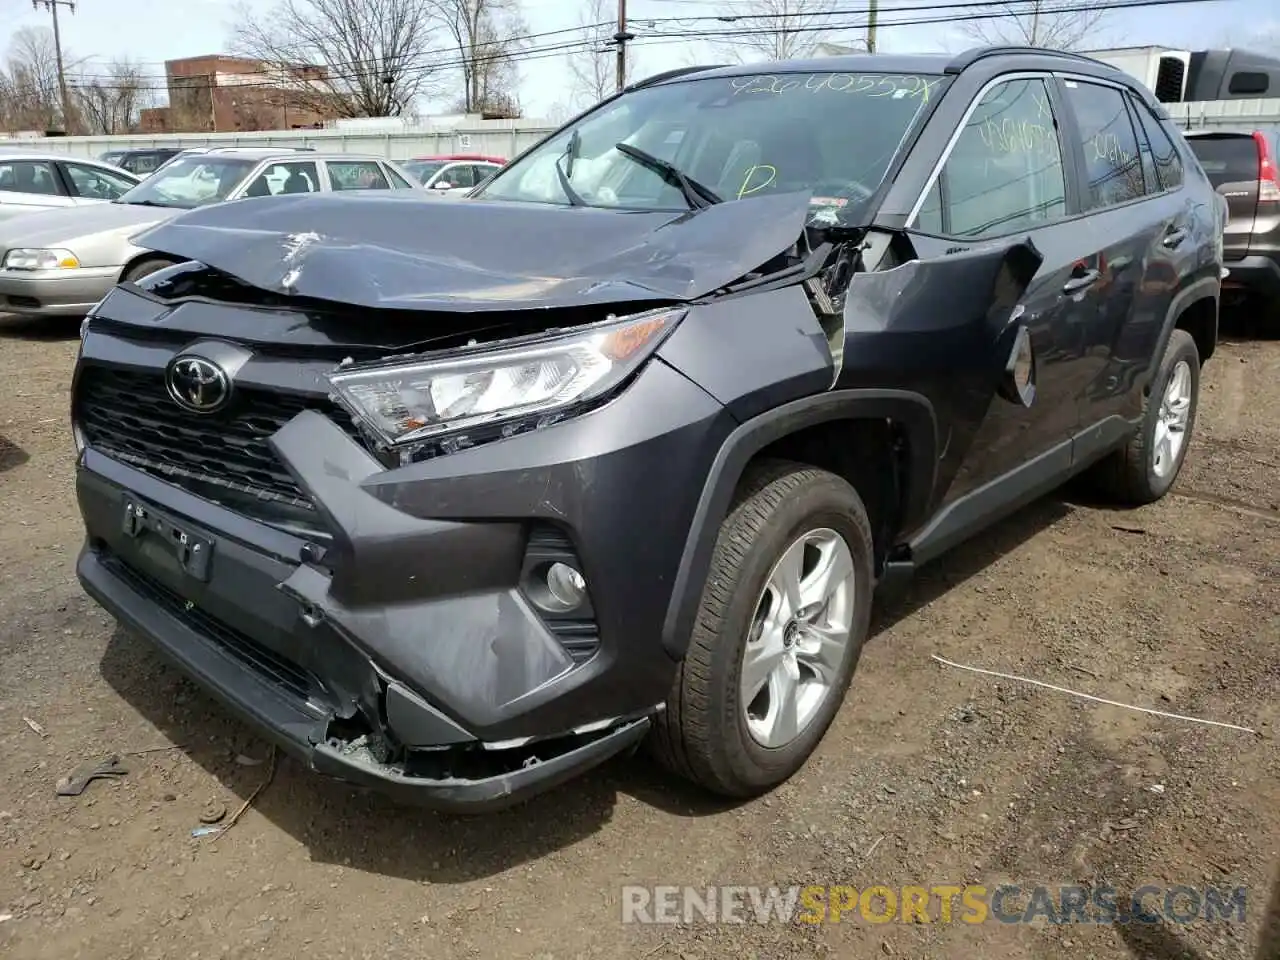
1226	159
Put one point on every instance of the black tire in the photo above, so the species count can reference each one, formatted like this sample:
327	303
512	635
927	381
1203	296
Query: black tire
144	267
703	732
1128	476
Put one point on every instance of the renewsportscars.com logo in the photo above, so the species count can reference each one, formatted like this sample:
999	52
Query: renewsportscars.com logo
937	903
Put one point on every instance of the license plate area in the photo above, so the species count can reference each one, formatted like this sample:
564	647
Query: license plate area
156	532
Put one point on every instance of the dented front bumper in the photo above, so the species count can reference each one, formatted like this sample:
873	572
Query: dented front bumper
400	653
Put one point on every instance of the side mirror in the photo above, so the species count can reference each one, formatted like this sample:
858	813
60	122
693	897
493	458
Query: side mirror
442	185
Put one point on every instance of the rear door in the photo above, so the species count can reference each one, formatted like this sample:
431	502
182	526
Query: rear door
30	185
1231	161
1127	240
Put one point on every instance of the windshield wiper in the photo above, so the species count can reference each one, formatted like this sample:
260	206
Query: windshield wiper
568	157
146	203
697	195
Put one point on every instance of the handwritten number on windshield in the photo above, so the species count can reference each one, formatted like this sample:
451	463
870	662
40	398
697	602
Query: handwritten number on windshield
894	86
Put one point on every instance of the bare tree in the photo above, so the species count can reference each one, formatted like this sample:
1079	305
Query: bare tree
1035	23
485	34
778	29
29	92
112	102
595	69
376	54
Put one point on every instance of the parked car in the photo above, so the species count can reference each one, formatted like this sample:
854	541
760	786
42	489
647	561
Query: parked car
64	261
454	175
31	181
457	500
141	161
1244	166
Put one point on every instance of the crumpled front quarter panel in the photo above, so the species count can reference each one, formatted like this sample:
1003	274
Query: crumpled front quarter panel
936	327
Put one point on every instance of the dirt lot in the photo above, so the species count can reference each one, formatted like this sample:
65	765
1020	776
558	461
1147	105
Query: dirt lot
929	774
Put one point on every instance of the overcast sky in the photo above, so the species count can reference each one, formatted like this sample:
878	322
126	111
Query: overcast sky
152	31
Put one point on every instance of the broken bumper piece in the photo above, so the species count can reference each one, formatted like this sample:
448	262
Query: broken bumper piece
305	729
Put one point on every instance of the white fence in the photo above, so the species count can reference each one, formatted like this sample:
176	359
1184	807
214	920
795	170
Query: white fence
502	138
1225	113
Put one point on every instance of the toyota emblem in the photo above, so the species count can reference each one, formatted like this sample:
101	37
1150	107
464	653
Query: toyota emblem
197	384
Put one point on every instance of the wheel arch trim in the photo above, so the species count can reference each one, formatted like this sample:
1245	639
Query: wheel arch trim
911	410
1206	288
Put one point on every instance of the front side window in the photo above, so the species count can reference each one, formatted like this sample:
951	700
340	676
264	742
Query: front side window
1005	172
285	177
189	182
28	176
832	135
357	175
424	170
94	183
1112	161
460	175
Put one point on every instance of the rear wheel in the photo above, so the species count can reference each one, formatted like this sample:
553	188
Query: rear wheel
783	617
1143	471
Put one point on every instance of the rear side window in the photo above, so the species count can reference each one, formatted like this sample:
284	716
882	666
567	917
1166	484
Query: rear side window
28	176
1247	83
1005	172
398	182
1168	162
1112	160
1227	158
357	175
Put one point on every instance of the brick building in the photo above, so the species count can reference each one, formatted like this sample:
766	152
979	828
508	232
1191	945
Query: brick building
224	94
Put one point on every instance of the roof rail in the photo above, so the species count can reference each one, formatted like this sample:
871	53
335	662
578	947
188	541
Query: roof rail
672	74
968	58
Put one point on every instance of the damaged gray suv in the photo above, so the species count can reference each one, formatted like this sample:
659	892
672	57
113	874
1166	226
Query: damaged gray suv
457	501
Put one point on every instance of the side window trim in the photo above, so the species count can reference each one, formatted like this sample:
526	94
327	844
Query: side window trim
936	173
1150	177
1149	120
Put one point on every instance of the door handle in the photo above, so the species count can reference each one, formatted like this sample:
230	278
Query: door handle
1081	281
1174	238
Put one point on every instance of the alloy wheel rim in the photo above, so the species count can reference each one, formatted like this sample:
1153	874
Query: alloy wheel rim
798	638
1172	422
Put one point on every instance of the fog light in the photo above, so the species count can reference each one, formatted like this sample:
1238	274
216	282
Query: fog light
566	586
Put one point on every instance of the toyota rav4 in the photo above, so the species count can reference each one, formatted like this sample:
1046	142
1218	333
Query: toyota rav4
459	500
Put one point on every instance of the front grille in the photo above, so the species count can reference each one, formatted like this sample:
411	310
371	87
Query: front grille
129	416
268	664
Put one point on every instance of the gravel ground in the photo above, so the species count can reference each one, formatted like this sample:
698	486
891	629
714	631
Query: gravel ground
929	774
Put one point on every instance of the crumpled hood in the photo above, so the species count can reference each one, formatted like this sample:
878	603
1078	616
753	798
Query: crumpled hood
399	251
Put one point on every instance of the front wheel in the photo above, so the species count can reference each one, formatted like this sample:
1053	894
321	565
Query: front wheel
1143	471
783	617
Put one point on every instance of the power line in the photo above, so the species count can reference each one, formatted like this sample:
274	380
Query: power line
374	63
1077	7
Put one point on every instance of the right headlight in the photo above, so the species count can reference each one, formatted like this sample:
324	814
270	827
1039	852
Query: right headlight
405	402
30	258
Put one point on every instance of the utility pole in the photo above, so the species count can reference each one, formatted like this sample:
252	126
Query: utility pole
52	7
872	9
621	38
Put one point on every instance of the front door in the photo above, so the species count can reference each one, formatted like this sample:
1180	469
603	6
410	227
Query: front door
1006	179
